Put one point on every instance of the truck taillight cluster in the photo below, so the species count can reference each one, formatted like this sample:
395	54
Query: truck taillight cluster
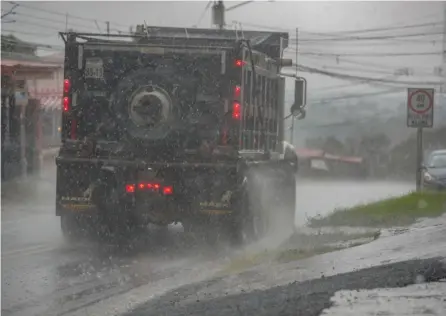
155	187
66	95
236	106
70	126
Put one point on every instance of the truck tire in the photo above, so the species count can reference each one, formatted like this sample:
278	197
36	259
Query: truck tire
252	223
70	227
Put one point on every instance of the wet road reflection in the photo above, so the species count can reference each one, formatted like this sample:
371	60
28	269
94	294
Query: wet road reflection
43	275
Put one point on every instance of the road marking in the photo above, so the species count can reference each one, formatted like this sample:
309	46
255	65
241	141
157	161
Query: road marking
27	251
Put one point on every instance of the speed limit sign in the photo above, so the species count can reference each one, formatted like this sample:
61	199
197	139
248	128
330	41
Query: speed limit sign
420	107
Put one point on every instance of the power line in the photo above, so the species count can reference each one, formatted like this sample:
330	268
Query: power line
206	9
380	54
356	78
371	30
63	22
368	38
11	11
362	95
379	29
22	4
27	33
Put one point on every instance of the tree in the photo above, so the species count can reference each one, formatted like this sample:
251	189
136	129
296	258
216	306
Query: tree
12	44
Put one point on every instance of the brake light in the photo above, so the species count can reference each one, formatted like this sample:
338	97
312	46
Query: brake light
130	188
236	111
66	104
141	186
237	91
168	190
66	85
239	63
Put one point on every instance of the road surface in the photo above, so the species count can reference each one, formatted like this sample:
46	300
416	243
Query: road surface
42	275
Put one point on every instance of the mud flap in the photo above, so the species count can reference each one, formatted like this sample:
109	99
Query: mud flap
275	187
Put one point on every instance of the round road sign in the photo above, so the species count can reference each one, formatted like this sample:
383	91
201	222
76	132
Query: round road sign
420	101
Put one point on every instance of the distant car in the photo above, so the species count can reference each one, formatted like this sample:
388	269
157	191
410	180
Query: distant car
435	170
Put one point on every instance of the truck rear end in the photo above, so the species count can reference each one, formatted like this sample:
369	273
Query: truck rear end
152	133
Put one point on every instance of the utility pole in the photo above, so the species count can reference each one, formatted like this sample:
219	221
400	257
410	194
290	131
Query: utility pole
443	66
108	27
218	14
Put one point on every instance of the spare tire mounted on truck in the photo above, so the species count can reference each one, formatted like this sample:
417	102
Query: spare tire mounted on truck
142	106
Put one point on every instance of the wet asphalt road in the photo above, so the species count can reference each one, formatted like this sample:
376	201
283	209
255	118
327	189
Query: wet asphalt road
308	298
42	275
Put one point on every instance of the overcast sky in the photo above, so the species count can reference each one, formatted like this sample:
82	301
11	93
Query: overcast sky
39	21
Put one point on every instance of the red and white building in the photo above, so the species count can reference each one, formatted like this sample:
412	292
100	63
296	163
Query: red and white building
48	90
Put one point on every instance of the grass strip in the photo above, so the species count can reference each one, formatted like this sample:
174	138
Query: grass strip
398	211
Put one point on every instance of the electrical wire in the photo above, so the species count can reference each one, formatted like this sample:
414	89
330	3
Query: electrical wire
206	9
28	33
46	19
371	30
379	54
379	29
368	38
54	12
355	78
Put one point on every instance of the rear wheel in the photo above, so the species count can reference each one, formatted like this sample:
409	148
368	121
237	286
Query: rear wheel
252	224
70	226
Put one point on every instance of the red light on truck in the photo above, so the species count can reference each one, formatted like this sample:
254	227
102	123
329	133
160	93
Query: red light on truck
239	63
66	85
168	190
237	91
66	104
236	111
141	186
130	188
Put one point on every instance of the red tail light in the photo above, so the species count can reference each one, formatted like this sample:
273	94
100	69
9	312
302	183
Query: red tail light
239	63
236	111
237	91
141	186
168	190
66	85
66	104
130	188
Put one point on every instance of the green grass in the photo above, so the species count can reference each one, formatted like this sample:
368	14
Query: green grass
304	246
399	211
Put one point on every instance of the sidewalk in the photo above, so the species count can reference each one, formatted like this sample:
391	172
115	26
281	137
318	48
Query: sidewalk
413	300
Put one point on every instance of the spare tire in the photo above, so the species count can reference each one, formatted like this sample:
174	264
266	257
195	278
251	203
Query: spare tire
144	106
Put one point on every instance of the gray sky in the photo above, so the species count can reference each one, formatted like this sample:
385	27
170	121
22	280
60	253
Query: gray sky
309	17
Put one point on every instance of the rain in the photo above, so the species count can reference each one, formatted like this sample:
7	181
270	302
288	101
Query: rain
223	158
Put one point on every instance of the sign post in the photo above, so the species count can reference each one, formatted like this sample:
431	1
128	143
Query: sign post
420	114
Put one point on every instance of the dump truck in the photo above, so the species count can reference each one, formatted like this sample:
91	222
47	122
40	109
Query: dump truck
175	125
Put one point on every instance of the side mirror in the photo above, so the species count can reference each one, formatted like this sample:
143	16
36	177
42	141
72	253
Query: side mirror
300	98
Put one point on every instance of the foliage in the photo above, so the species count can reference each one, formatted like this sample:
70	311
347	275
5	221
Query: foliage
10	43
403	210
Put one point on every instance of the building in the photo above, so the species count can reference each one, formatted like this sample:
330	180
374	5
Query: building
28	83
